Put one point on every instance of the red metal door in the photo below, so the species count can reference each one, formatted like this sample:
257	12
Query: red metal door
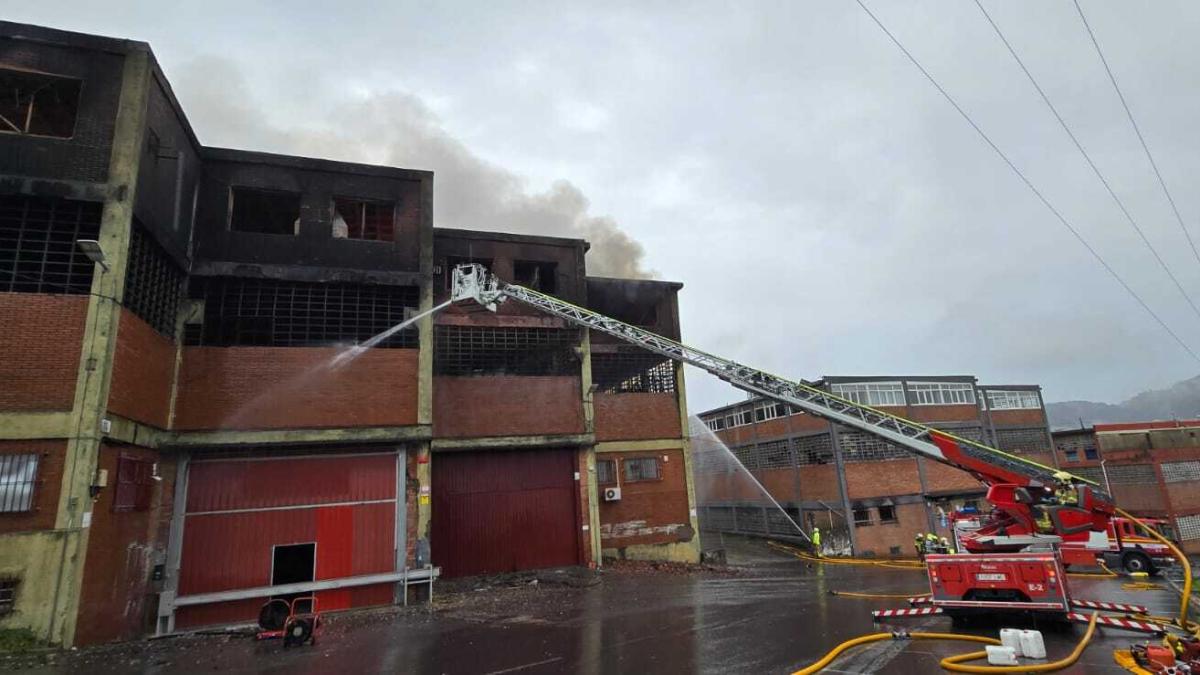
504	510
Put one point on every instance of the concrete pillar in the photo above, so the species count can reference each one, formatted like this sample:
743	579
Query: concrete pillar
840	466
99	343
688	464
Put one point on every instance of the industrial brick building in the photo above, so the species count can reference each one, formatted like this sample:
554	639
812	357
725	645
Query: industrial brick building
175	436
869	496
1151	468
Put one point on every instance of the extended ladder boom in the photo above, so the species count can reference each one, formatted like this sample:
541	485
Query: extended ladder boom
473	281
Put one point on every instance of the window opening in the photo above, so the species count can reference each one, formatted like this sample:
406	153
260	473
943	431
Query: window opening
862	515
641	468
265	211
270	312
364	219
293	564
1013	400
18	478
1072	455
453	261
632	371
606	472
135	484
942	393
38	104
38	253
540	276
871	393
487	350
887	514
8	595
1090	453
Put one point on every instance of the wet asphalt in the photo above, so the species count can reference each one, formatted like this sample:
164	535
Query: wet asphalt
774	615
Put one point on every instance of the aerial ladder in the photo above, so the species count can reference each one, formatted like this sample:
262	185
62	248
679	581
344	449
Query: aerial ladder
1022	565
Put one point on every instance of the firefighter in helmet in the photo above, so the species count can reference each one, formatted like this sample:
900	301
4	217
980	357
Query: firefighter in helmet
816	540
1065	493
919	544
931	543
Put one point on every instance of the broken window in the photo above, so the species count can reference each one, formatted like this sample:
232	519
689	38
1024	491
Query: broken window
153	282
606	472
38	104
293	563
487	350
8	595
38	250
277	313
265	211
641	468
18	478
453	261
135	484
632	371
862	515
540	276
370	220
887	514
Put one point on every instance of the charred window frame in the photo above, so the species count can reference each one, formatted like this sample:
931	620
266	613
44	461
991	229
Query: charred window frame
488	350
606	472
453	261
18	482
366	219
38	104
540	276
38	250
264	211
887	514
638	469
862	516
638	371
135	484
279	313
153	283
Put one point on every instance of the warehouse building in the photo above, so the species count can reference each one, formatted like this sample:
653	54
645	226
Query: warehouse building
182	428
868	496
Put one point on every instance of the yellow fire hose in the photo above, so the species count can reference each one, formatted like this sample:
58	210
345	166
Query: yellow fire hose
956	663
877	637
881	596
1182	621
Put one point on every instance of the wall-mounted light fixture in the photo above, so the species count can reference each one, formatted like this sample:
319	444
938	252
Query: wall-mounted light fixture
91	248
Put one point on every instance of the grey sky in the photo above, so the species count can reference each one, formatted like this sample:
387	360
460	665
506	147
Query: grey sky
827	211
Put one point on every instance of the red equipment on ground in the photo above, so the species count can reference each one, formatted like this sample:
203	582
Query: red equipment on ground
293	621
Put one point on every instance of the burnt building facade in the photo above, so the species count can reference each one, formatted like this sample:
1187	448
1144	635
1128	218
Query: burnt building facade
869	497
184	425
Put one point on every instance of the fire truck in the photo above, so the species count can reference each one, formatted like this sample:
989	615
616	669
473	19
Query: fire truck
1014	560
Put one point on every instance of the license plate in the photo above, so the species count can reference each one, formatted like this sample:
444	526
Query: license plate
990	577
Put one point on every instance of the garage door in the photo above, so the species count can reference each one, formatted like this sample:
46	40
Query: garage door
504	510
262	522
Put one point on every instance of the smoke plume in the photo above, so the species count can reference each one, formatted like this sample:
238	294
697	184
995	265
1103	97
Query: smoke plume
397	128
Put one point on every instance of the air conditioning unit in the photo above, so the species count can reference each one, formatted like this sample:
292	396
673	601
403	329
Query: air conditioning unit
612	494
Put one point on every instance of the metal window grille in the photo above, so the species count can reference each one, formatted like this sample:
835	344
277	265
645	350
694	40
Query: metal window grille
862	515
38	253
153	283
485	350
1189	527
8	595
135	484
641	468
1180	472
1130	474
628	371
771	455
606	472
278	313
815	449
18	478
1092	473
1021	440
860	447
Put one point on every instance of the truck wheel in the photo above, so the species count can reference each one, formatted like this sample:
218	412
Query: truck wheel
1134	561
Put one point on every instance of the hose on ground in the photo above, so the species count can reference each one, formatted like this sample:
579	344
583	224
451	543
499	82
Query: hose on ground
1182	620
881	596
958	663
877	637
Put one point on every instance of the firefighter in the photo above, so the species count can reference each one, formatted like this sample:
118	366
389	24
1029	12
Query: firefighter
919	544
1066	493
931	543
816	541
945	547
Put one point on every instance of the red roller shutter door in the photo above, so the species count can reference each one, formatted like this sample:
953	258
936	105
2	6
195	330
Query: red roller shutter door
504	510
238	510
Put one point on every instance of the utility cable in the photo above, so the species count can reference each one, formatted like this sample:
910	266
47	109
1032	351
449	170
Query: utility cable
1032	188
1137	130
1079	146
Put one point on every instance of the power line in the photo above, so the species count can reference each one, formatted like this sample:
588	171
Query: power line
1124	104
1128	216
1026	181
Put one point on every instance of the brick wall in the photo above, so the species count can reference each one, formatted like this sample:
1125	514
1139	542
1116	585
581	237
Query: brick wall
41	340
1017	418
878	538
143	367
881	479
117	601
621	417
289	387
939	478
506	405
46	489
939	413
821	482
650	512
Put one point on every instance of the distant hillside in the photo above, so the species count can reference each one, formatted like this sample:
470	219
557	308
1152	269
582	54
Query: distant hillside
1180	400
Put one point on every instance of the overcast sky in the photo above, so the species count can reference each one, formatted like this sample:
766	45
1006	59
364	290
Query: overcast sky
826	209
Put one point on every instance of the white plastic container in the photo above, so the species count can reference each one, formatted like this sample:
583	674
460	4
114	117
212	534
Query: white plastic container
999	655
1011	637
1032	644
